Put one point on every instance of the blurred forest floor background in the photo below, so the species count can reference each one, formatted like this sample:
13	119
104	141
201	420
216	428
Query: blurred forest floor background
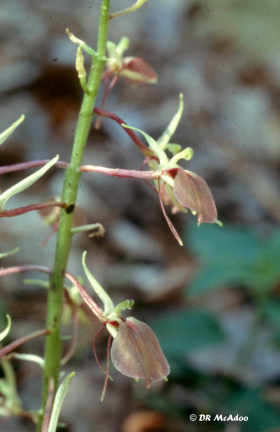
214	304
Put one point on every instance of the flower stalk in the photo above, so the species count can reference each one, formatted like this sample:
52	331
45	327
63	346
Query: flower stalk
53	348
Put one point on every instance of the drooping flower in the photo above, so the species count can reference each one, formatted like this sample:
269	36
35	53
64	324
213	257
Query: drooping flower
133	70
135	351
182	189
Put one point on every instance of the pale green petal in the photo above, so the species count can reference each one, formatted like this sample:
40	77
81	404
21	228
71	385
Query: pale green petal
126	304
123	45
108	304
185	154
58	401
169	131
4	254
174	148
113	53
4	333
25	183
4	135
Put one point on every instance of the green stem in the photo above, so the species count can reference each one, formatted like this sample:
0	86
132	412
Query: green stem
53	347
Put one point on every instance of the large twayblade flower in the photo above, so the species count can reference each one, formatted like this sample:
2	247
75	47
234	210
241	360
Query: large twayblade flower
135	351
182	189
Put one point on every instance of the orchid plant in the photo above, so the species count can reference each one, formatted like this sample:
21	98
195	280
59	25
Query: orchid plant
135	350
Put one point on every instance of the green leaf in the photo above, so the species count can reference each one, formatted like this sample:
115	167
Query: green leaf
215	276
25	183
182	332
228	257
4	135
262	416
231	244
267	268
4	333
271	308
58	401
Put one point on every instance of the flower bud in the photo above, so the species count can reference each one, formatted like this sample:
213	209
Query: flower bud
80	64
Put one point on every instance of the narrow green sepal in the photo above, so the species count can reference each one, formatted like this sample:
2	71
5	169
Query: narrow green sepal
4	254
25	183
4	135
30	357
5	332
158	151
123	45
169	131
108	304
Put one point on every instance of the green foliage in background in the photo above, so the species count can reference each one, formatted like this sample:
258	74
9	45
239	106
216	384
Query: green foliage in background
252	25
182	332
232	256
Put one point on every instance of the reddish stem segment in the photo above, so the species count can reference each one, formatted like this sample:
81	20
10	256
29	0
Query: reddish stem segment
22	340
21	269
74	342
33	164
87	298
117	172
107	368
49	404
90	302
94	347
139	144
21	210
170	224
107	90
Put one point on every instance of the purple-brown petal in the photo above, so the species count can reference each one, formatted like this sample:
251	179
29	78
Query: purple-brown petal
136	352
145	72
192	192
